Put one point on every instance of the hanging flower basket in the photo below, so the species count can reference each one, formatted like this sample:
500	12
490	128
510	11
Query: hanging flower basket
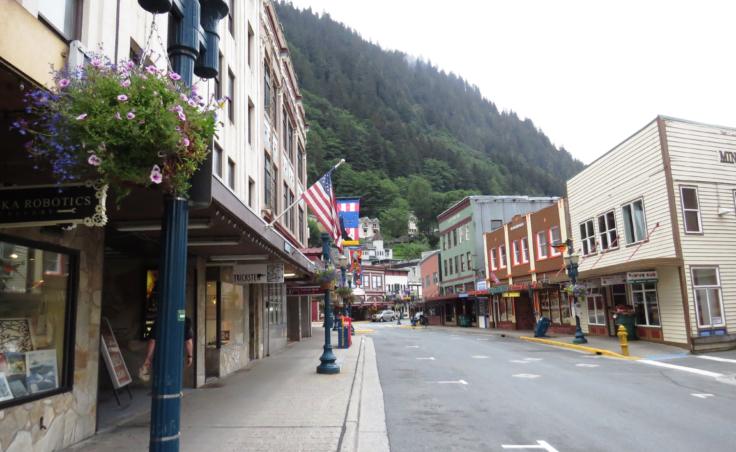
326	278
345	293
125	125
576	291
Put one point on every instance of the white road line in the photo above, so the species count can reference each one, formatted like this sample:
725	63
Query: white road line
717	358
482	339
529	376
586	365
431	358
412	346
540	445
519	361
479	357
453	382
692	370
533	359
702	396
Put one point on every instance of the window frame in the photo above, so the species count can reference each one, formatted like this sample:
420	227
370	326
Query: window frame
641	288
630	204
608	231
719	286
552	250
524	243
588	241
542	251
685	210
231	174
502	256
494	258
66	377
516	253
231	95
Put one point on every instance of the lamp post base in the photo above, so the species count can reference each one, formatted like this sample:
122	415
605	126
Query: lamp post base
579	336
328	365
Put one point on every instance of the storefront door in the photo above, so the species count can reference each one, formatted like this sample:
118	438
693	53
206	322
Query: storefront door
524	313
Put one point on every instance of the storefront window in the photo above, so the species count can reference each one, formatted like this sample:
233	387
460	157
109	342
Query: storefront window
554	303
645	303
506	310
35	302
233	316
275	300
596	306
565	313
706	283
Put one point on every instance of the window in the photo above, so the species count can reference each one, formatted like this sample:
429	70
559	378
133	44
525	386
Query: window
230	17
451	269
217	160
494	259
502	256
285	205
284	131
457	264
596	310
218	77
291	214
251	117
607	231
470	267
37	328
447	269
251	192
587	236
454	237
516	252
467	232
554	307
542	249
462	262
460	236
708	300
634	221
554	237
301	226
496	224
525	250
300	164
267	101
435	278
444	242
231	174
60	14
275	188
645	302
231	95
377	282
366	281
251	39
691	210
506	310
267	183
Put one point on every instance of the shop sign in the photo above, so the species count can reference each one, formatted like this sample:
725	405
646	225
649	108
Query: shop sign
258	274
519	225
481	284
613	280
519	286
639	277
498	289
50	205
727	157
304	290
512	294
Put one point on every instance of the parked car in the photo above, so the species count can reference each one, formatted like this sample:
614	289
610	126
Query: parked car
384	316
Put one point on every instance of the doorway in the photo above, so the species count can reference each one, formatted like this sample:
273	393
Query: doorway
252	323
524	314
211	331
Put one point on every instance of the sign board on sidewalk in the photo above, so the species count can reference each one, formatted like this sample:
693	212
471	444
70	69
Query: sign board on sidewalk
50	205
258	274
113	356
640	277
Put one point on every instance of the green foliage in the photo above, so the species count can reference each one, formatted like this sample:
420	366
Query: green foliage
315	240
395	219
410	250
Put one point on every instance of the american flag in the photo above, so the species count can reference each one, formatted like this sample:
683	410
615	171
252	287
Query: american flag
321	199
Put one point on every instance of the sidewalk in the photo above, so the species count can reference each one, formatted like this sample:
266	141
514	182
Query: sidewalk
638	348
278	404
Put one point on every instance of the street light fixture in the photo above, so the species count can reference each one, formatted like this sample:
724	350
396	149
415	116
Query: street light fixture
572	259
343	261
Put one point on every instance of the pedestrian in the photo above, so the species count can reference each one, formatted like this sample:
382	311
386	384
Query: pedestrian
145	371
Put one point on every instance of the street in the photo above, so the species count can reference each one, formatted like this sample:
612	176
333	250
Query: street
449	390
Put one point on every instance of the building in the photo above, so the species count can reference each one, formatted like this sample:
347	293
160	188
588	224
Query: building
654	221
371	294
429	272
374	252
368	228
86	278
398	292
411	228
526	272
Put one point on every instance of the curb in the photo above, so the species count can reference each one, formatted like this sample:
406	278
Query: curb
584	348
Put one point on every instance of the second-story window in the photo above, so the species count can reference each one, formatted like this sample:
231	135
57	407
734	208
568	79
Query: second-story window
468	259
502	256
250	120
61	15
554	238
300	164
218	79
267	182
462	262
217	160
607	231
275	182
291	215
494	259
231	95
516	249
587	236
286	216
301	226
231	174
525	250
635	225
691	209
542	248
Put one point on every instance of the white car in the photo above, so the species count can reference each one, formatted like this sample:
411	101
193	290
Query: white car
384	316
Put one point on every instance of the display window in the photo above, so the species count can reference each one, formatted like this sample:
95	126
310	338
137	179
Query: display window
37	286
645	303
554	308
596	306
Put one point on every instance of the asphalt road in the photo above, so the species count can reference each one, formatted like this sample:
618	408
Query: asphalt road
450	391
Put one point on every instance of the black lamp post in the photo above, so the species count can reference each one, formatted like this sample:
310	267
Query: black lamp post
328	358
571	262
343	259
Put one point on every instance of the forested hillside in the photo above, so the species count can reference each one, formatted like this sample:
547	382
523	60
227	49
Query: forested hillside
414	136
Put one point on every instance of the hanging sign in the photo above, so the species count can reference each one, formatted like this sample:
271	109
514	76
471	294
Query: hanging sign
613	280
640	277
512	294
258	274
304	290
50	205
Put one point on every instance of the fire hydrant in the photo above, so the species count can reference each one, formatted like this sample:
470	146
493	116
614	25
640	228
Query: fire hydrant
623	339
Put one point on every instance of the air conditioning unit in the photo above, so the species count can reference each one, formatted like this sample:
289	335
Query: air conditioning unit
78	55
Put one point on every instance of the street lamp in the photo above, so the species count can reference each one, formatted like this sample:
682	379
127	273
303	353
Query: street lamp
328	358
572	260
343	260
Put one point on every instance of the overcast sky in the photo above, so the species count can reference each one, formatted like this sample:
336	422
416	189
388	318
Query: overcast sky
589	73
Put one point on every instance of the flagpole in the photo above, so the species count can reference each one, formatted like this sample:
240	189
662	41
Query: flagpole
298	200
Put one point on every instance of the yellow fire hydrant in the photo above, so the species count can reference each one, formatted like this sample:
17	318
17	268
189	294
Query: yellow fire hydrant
623	339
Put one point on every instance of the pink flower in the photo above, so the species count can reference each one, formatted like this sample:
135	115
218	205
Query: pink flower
156	176
63	83
125	83
117	116
122	98
94	160
130	115
183	97
174	76
192	103
182	116
96	62
129	65
185	142
178	108
151	69
81	117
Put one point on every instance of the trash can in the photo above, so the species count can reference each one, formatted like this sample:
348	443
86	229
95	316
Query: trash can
542	327
629	322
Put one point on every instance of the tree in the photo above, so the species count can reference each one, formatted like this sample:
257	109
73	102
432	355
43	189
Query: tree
395	219
314	233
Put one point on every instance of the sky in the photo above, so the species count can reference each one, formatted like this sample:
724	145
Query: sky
588	73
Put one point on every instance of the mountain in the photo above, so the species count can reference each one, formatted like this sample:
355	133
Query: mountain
414	136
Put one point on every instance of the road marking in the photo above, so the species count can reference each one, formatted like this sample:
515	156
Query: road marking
529	376
693	370
702	396
717	358
540	445
519	361
586	365
482	339
533	359
412	346
479	357
431	358
453	382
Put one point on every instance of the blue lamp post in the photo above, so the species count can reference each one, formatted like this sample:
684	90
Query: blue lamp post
571	262
328	358
193	29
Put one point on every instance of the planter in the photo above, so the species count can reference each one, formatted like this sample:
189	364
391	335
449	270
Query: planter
328	285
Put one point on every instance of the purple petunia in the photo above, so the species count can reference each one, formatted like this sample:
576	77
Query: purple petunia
63	83
125	83
182	116
192	103
151	69
185	142
156	176
94	160
130	115
174	76
117	116
122	98
96	62
81	117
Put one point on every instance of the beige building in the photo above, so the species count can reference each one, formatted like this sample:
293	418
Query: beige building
75	281
654	222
